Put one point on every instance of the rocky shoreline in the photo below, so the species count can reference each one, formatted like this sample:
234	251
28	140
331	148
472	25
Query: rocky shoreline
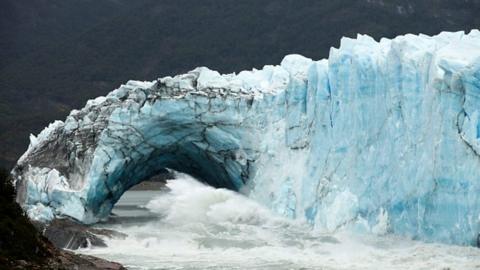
57	258
28	244
69	234
31	245
63	260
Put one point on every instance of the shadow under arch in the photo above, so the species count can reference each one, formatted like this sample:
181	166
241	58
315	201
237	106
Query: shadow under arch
217	169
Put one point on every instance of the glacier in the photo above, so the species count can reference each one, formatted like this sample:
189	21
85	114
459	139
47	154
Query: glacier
381	137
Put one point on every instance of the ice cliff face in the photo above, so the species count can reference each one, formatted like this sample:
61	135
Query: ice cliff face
381	137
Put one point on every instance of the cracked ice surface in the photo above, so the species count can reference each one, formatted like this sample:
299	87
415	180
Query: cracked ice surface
382	137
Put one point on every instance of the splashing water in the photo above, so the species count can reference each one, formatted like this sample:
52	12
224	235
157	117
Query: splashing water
194	226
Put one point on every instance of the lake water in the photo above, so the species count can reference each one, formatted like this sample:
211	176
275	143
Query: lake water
194	226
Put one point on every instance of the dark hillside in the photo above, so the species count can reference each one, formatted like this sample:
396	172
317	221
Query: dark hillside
19	240
28	26
23	247
87	48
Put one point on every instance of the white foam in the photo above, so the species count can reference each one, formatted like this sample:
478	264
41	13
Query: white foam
191	201
200	227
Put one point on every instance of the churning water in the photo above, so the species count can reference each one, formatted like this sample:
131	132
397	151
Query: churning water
194	226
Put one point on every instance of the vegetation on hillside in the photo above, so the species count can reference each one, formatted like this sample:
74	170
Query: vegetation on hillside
23	247
19	240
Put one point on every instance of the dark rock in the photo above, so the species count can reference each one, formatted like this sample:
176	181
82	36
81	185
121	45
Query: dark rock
22	263
60	259
23	247
70	260
68	234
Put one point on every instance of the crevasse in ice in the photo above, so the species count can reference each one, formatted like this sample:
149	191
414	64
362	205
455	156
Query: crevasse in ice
381	137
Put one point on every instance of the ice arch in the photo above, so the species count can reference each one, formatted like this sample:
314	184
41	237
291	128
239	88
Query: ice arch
186	123
381	137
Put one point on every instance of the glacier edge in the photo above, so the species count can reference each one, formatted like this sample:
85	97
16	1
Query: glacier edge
382	137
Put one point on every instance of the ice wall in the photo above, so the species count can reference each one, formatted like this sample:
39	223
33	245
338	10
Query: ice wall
382	137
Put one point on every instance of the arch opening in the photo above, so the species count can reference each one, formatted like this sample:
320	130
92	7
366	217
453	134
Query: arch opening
219	169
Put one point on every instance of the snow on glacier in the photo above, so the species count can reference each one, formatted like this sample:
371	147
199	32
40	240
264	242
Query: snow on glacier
381	137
